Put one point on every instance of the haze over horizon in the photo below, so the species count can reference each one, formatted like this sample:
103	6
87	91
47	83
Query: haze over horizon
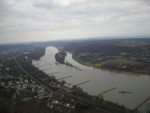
41	20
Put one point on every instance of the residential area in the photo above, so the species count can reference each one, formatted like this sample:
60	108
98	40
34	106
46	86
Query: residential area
26	85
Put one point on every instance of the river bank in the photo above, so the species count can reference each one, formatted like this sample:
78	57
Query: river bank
100	80
81	98
119	66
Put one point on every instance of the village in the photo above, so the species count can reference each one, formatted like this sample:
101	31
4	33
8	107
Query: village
14	77
26	83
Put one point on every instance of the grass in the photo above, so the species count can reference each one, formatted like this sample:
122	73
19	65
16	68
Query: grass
117	65
82	62
121	62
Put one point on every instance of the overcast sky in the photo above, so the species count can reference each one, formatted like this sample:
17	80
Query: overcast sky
34	20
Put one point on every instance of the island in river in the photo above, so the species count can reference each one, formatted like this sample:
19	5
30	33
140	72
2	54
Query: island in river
60	57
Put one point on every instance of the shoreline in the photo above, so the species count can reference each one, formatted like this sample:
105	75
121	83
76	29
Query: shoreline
111	103
107	69
110	71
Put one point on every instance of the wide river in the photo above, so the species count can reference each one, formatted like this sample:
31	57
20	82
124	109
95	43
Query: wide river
99	80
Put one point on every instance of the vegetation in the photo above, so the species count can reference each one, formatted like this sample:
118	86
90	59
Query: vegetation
60	57
129	55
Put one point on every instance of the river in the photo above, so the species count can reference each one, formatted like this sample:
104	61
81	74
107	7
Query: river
100	80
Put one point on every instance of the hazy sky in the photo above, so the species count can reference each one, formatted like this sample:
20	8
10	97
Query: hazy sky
31	20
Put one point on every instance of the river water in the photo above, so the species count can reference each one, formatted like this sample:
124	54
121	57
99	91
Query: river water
99	80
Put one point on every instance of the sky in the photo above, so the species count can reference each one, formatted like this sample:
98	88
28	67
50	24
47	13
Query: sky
41	20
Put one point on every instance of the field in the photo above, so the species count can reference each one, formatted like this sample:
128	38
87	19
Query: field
129	55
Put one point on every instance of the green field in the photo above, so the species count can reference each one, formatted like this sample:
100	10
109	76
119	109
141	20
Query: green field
119	65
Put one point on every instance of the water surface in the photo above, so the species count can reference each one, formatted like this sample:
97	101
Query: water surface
100	80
